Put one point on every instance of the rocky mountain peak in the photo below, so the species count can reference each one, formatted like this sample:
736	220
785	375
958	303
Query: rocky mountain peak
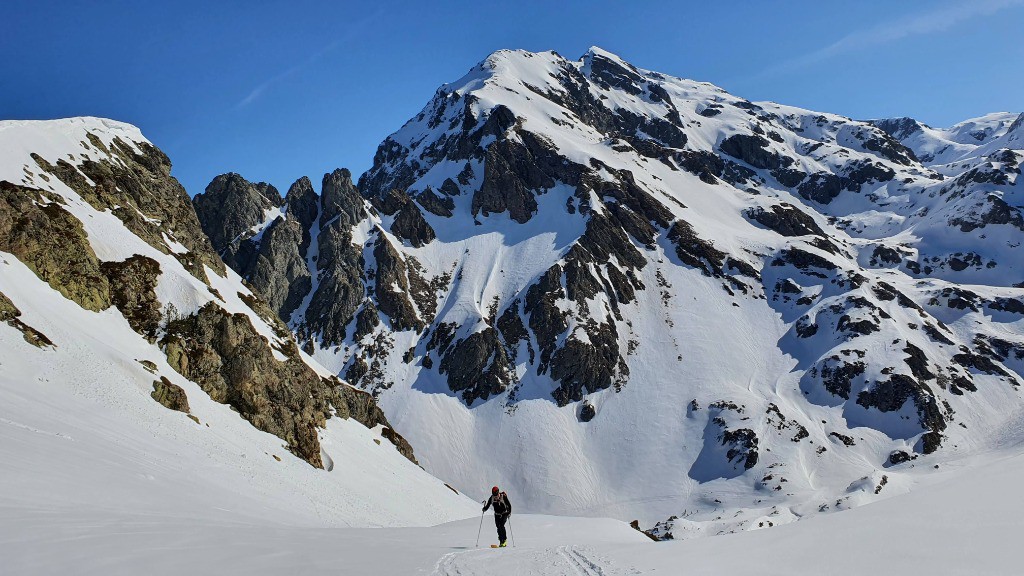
231	205
556	248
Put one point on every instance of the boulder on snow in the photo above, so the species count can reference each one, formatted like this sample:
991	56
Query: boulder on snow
170	395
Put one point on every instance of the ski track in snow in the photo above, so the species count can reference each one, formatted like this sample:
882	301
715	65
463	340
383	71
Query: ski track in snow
569	559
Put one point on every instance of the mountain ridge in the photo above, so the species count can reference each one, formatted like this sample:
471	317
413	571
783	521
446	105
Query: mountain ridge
562	249
140	374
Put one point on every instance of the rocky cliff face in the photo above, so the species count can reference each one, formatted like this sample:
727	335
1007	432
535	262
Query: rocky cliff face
108	227
552	237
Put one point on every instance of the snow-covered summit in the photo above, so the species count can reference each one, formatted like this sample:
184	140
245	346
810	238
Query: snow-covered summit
619	292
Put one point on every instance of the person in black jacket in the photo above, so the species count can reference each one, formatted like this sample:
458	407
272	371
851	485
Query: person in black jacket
502	510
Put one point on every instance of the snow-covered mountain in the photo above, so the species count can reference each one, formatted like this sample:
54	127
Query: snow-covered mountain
140	376
622	293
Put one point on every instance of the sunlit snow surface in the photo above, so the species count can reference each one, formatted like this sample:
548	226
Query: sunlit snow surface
645	454
80	434
97	478
961	521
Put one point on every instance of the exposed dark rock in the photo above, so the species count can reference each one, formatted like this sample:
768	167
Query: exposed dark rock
899	457
587	412
705	165
695	251
711	110
846	440
278	272
477	366
753	150
805	261
516	170
133	291
340	199
513	331
437	205
892	394
982	364
340	290
889	148
583	367
392	287
822	187
742	444
918	363
776	419
860	172
899	128
837	375
303	207
788	177
998	212
610	74
936	335
410	225
785	219
805	328
884	254
230	206
366	321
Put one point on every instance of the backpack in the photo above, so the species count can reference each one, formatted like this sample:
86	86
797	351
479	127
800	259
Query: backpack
501	504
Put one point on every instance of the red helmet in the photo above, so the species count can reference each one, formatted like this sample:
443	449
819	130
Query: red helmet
494	490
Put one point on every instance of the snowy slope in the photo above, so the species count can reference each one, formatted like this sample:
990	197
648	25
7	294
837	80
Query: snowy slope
619	293
960	520
82	434
968	139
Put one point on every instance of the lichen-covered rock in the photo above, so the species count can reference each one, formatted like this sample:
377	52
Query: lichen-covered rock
170	395
53	244
9	313
225	355
134	182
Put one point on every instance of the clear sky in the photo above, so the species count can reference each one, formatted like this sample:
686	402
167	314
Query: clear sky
277	90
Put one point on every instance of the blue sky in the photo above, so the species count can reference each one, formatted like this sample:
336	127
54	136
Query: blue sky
277	90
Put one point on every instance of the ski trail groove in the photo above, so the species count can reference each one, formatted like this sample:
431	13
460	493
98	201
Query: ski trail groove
445	566
579	563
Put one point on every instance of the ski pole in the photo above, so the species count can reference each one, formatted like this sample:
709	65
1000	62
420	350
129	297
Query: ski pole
479	529
511	532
